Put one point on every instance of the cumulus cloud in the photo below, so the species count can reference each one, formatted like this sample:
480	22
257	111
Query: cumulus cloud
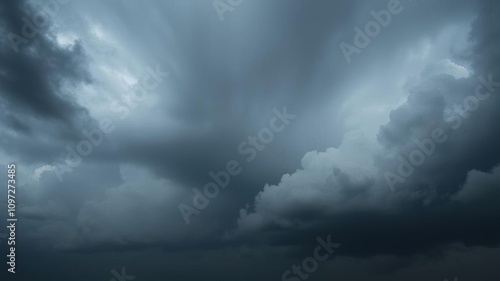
329	182
480	187
324	195
39	171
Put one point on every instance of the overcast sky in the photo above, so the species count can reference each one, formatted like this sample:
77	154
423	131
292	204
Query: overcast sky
221	140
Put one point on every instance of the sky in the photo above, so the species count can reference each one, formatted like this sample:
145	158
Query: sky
251	139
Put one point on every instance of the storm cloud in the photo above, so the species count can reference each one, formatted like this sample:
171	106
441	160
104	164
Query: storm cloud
394	155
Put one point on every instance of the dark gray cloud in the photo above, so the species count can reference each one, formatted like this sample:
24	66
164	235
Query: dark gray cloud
34	69
324	174
423	216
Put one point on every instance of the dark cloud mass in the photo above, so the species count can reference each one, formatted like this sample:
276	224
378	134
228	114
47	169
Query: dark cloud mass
34	68
394	155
